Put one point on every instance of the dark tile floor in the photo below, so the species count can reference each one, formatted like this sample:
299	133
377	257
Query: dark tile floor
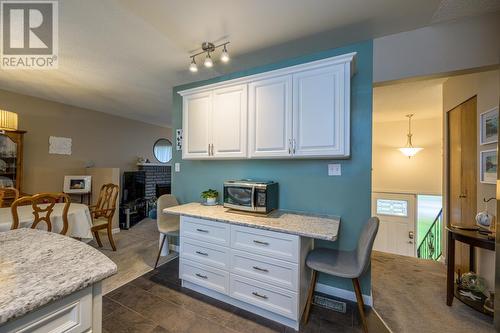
156	302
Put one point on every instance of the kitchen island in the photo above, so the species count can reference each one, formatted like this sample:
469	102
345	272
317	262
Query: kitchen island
50	282
252	261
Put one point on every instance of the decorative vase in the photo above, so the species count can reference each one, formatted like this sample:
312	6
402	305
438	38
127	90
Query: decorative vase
152	214
211	201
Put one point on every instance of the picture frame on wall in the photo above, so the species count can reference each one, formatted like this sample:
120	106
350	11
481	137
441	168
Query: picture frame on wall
488	166
488	126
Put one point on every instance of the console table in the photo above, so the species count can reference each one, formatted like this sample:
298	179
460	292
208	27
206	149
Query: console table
473	239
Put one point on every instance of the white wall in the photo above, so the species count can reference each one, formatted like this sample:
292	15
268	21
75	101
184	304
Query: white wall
394	172
455	91
442	48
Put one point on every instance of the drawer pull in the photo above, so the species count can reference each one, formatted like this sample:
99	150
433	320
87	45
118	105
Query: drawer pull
201	276
257	268
202	253
260	242
202	230
259	295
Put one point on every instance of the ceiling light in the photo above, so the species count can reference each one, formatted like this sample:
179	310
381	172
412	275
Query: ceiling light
193	67
208	61
209	48
409	150
224	56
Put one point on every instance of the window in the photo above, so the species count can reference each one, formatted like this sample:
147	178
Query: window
392	207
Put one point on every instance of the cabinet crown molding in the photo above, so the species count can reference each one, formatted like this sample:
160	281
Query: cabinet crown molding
340	59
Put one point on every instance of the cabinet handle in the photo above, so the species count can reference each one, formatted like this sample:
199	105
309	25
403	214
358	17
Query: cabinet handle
209	149
201	276
212	149
202	253
289	146
293	146
260	269
202	230
259	295
260	242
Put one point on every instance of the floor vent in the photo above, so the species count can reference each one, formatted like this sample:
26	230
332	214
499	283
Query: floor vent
330	304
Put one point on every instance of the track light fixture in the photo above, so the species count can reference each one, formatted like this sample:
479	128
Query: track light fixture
209	48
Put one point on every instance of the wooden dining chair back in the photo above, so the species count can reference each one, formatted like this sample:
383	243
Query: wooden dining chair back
42	205
8	195
103	211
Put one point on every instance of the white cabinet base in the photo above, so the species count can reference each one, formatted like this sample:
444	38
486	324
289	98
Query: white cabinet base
77	313
243	305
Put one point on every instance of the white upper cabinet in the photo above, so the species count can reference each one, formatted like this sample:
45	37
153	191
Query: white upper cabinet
196	122
301	111
229	122
270	117
320	120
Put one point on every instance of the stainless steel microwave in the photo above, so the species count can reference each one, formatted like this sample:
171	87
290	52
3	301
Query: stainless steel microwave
250	195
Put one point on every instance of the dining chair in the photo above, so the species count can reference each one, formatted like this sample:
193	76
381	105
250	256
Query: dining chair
8	195
103	211
43	205
168	224
344	264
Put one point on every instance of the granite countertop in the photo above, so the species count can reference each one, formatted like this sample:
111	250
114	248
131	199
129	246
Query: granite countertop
38	267
302	224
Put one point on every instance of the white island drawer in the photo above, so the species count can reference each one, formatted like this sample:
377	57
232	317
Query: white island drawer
269	243
205	230
265	296
277	272
205	253
205	276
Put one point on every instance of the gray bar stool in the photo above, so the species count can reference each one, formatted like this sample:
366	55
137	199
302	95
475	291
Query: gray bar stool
344	264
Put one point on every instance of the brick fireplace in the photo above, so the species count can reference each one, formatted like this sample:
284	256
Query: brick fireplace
160	175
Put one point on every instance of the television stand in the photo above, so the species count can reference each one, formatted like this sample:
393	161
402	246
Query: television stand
82	196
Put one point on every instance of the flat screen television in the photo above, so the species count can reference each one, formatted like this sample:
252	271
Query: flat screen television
134	186
77	184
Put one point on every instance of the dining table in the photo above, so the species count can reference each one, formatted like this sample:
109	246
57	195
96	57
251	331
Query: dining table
79	219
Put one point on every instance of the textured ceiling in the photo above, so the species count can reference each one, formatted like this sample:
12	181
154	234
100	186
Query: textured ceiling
124	56
422	98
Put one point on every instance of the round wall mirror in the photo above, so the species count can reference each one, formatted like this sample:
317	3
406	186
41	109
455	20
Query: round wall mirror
162	150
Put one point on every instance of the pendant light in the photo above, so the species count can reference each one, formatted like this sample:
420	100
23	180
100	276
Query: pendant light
224	56
409	150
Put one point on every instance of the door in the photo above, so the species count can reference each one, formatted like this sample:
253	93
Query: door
396	233
318	112
196	113
462	172
270	117
229	122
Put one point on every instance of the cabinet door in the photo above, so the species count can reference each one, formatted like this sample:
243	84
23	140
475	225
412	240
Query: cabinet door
229	122
321	112
196	124
270	117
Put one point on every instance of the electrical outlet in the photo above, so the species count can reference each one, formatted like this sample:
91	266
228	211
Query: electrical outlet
334	170
177	167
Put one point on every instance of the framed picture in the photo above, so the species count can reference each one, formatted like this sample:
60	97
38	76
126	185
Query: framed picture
488	166
489	126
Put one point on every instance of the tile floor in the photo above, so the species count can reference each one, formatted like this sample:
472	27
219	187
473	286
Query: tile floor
155	302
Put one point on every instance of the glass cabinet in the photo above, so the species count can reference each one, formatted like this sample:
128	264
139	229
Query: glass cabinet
11	159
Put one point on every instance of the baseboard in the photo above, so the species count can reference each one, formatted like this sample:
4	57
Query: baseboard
115	230
342	293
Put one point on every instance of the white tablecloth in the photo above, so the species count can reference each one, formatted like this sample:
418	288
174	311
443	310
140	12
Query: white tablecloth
79	219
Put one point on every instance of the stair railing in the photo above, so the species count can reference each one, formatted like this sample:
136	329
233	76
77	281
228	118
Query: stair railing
430	247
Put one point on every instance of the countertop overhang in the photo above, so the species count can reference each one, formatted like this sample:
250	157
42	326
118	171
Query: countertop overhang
324	227
38	267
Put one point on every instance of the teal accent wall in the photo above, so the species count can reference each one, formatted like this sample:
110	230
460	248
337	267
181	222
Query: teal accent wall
304	184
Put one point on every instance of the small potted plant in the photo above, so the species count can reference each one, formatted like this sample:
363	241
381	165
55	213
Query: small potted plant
210	197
